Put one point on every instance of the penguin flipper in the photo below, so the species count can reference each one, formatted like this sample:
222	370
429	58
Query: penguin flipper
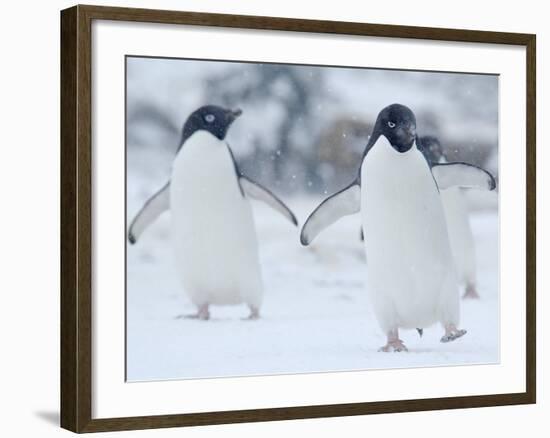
151	210
462	175
342	203
260	193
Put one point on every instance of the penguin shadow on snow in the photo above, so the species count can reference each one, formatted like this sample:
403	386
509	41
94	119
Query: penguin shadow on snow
213	231
192	319
410	271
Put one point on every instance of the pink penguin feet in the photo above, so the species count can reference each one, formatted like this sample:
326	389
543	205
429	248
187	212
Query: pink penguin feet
394	344
452	333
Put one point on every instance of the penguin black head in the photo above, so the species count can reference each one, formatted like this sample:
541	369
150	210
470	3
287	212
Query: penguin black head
431	148
398	124
211	118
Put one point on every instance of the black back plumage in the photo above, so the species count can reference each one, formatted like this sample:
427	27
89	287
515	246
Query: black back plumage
431	147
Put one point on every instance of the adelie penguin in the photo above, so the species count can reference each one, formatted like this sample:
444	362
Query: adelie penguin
458	223
213	230
410	273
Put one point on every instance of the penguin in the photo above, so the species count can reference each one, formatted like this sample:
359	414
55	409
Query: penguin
458	224
411	278
212	226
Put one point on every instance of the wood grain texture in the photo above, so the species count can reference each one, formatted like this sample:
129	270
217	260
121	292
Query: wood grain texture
76	253
76	219
531	220
69	328
299	25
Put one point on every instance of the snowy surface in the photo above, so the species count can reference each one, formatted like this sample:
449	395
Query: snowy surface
316	315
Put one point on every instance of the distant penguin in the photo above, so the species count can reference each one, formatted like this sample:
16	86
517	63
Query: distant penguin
410	273
458	223
213	228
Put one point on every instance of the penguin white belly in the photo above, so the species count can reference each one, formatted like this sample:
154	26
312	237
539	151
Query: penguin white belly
410	271
460	234
213	228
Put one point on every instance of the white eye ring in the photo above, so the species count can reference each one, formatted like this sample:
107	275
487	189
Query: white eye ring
209	118
391	125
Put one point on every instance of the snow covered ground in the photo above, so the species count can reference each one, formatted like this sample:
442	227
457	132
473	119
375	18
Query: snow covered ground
315	318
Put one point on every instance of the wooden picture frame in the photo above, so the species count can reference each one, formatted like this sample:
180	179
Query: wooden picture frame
76	217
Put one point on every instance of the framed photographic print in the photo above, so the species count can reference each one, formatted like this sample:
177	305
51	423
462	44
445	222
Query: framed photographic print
268	219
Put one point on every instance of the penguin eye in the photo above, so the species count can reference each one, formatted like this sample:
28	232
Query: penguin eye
391	124
209	118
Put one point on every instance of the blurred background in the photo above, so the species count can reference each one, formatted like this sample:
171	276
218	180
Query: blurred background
304	128
301	135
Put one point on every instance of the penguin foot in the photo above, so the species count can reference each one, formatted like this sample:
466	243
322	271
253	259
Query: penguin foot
470	293
452	333
254	314
395	346
203	314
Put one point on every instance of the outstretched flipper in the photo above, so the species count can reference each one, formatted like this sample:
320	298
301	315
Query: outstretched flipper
462	175
342	203
256	191
151	210
260	193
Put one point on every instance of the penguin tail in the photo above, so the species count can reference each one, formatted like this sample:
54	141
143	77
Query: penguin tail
420	331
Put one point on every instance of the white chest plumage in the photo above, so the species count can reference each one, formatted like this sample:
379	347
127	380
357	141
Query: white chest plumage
410	271
213	229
